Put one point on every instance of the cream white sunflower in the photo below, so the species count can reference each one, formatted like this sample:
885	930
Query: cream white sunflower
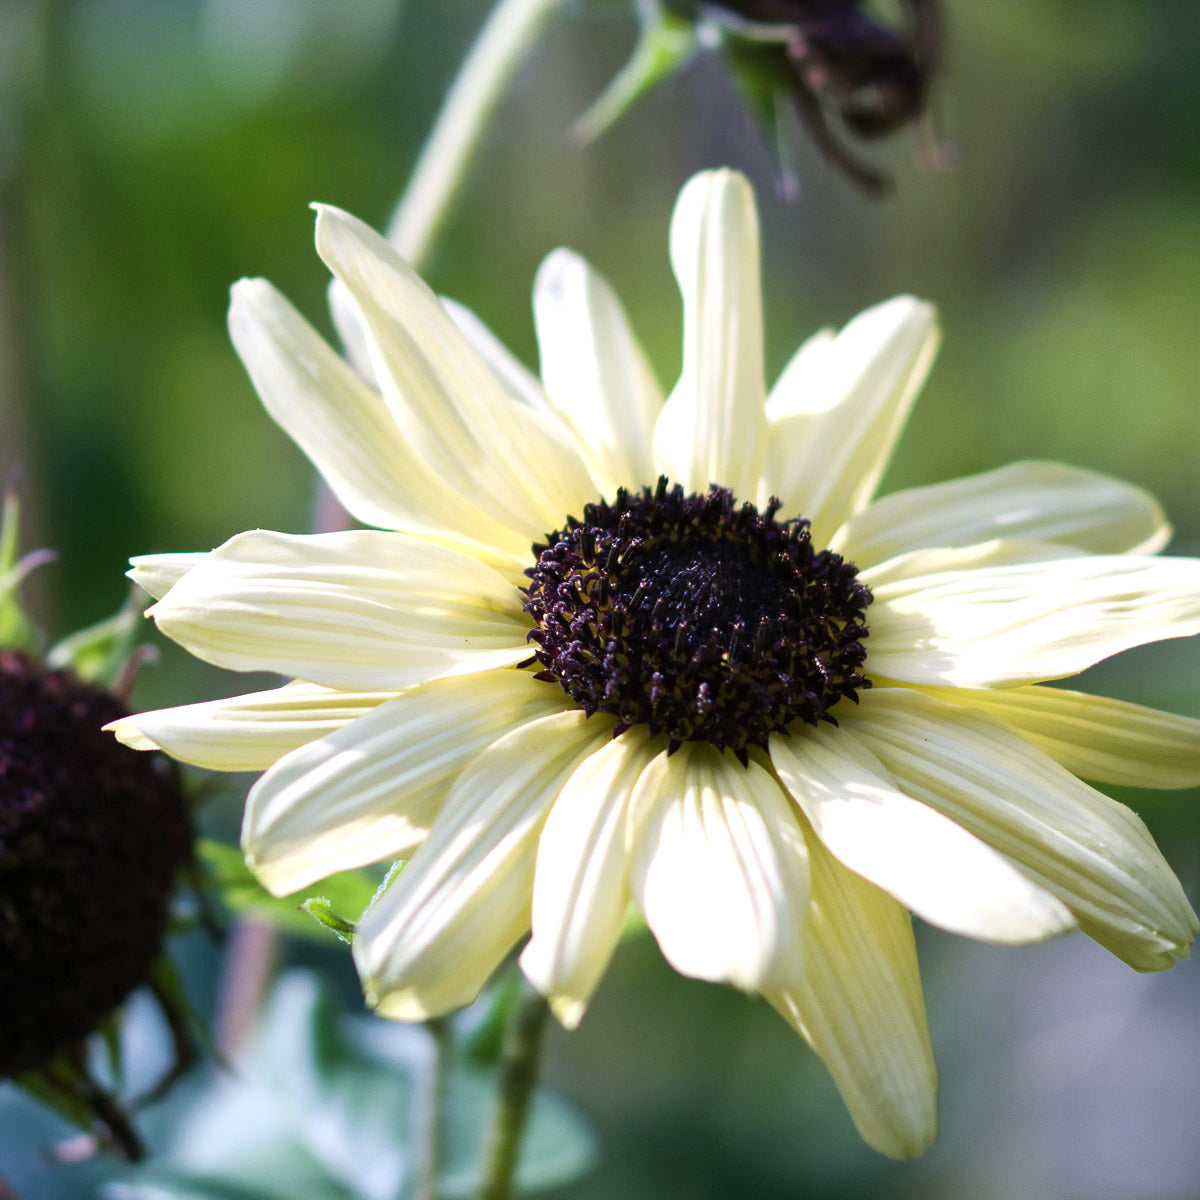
775	738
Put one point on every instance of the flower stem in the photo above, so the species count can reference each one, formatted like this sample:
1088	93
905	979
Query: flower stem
429	1136
510	31
519	1070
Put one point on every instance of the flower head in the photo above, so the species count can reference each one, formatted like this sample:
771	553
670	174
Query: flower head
839	68
605	646
91	838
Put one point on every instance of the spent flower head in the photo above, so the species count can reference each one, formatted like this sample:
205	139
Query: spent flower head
92	837
608	646
845	74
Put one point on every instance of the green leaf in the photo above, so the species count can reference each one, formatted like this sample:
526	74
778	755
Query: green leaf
321	911
323	1105
485	1023
350	891
664	45
99	653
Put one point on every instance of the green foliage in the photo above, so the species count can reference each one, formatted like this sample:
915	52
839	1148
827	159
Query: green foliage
323	1105
348	892
321	911
100	653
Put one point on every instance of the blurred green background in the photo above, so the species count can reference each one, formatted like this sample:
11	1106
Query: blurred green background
152	151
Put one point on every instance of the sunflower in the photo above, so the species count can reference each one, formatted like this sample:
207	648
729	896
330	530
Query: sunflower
601	646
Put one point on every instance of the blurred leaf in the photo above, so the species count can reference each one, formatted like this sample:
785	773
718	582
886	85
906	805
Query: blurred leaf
164	1184
486	1021
350	891
322	1105
100	653
321	911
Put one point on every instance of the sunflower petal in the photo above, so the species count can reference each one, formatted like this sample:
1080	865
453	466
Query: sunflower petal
826	459
512	374
1001	552
246	733
580	888
719	868
499	454
361	610
595	371
157	574
1108	741
860	1007
713	427
1028	621
1094	854
369	790
803	385
1042	501
930	864
430	941
347	431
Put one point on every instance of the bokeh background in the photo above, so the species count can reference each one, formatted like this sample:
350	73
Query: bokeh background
152	151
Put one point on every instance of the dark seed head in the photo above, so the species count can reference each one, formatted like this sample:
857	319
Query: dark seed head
703	620
91	836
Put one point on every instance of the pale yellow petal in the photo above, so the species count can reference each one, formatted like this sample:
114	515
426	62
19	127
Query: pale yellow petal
804	383
512	374
361	610
369	791
1108	741
595	372
826	459
930	864
348	433
860	1007
352	333
581	887
430	941
1027	622
719	868
518	463
1042	501
246	733
159	573
885	578
713	426
1094	854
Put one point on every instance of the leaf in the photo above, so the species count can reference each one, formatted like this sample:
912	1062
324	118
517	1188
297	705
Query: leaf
322	1104
348	892
321	911
99	653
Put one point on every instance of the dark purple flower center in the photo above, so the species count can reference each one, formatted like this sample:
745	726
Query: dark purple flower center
702	619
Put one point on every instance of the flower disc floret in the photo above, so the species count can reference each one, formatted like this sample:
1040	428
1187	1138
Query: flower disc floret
702	619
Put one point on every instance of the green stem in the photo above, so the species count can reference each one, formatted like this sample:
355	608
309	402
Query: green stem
510	32
519	1070
429	1136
